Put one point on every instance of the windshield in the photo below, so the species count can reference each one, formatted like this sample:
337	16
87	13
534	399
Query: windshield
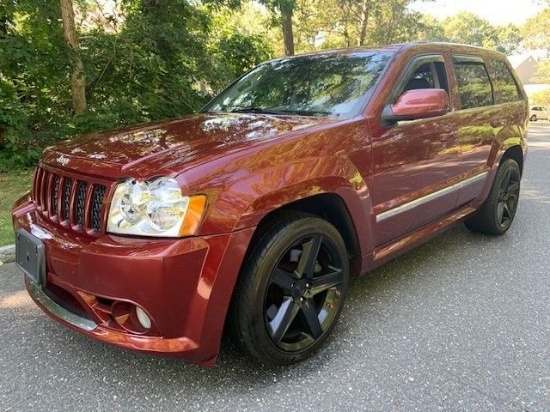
326	84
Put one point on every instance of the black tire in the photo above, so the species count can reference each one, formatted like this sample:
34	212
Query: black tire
533	118
291	290
497	212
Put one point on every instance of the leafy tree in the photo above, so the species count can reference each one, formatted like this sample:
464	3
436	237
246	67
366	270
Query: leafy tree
542	75
239	42
346	23
509	39
34	63
536	31
541	98
431	29
468	28
241	52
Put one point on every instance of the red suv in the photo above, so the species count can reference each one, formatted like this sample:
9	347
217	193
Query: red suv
255	212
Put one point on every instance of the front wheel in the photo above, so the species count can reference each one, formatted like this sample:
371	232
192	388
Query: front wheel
497	212
291	290
533	118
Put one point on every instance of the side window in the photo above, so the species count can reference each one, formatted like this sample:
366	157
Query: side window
421	78
505	84
424	73
474	85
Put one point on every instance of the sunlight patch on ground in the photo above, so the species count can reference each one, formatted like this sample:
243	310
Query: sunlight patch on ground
531	193
16	300
539	145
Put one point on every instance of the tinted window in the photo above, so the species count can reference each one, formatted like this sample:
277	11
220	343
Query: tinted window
426	74
474	86
422	78
315	85
505	85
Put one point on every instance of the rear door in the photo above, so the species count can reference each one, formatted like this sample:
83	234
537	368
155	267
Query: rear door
491	111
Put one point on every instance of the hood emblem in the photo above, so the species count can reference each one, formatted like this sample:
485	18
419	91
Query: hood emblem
62	160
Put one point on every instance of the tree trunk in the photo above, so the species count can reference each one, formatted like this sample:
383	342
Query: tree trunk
287	11
78	79
363	23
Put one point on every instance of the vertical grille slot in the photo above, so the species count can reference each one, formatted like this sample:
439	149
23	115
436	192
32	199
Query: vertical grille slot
65	206
97	200
72	203
43	191
80	203
55	195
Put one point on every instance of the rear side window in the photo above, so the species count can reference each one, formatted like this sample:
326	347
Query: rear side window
474	85
505	85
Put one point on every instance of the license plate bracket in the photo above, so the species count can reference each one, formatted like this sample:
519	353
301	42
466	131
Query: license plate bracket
30	256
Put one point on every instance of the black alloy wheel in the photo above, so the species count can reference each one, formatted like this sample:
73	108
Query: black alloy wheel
497	213
292	290
508	197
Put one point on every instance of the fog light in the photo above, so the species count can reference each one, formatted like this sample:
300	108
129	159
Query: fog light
143	319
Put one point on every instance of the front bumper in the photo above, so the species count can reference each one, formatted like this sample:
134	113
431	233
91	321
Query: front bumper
93	286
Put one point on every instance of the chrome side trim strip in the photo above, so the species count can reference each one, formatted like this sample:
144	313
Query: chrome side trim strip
432	196
38	294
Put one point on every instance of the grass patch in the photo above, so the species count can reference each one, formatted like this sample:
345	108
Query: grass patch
13	185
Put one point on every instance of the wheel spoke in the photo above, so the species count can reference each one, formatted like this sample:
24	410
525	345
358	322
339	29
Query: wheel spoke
308	308
310	250
500	212
322	283
513	189
506	181
283	279
506	212
280	324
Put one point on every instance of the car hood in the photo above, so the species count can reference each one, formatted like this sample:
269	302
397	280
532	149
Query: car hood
172	146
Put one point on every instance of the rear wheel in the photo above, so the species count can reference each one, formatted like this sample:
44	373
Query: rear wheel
291	290
533	118
497	212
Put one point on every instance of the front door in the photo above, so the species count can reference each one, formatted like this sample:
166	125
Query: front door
415	163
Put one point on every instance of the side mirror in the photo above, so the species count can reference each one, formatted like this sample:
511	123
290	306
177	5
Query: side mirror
417	104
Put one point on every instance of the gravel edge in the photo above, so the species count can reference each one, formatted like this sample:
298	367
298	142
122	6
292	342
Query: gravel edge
7	254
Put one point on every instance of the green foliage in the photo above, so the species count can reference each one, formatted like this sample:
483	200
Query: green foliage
348	23
509	39
15	138
542	75
541	98
469	28
151	69
152	59
33	78
13	185
536	31
240	52
157	62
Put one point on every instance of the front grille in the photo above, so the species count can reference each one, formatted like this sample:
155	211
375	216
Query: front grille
72	202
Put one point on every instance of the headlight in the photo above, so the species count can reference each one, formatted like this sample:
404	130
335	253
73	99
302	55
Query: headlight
154	208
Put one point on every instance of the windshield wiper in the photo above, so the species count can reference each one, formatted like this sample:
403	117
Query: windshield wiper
305	112
279	111
256	110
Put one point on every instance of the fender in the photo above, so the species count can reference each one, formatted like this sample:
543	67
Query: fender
251	198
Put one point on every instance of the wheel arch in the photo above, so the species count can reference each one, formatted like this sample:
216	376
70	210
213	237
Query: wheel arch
330	207
514	153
